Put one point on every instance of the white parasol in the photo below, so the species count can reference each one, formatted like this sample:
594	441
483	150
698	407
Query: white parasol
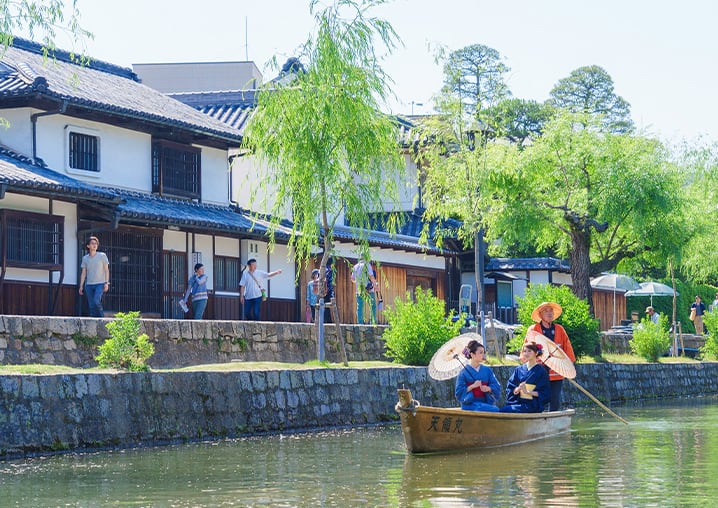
448	361
553	356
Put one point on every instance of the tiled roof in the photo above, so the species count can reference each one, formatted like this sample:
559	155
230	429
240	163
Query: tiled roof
21	174
149	208
392	241
509	264
99	87
231	107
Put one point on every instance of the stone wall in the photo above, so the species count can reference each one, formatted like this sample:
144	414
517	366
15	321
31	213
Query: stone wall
73	341
79	411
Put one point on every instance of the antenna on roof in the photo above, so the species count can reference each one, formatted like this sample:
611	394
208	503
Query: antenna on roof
246	43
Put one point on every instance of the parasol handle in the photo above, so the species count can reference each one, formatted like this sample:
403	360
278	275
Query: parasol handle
601	404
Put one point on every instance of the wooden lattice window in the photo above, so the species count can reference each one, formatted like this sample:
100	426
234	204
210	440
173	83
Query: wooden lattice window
226	273
135	269
31	240
83	152
176	169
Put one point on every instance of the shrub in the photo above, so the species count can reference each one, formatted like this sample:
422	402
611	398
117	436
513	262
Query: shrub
417	328
651	340
709	351
581	328
126	348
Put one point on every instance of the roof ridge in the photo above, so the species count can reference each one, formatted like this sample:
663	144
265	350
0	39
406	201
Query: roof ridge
73	58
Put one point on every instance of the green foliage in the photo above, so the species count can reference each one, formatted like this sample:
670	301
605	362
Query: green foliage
590	90
126	348
582	329
417	328
43	18
324	147
709	350
651	340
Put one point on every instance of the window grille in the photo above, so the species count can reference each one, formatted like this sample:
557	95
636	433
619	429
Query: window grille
176	170
32	240
226	273
135	270
84	152
175	281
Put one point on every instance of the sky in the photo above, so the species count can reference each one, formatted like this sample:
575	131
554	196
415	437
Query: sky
661	54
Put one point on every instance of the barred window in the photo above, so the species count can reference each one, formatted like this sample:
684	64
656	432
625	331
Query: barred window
176	169
226	273
31	240
84	152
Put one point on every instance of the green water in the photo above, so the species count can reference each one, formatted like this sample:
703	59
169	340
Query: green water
668	456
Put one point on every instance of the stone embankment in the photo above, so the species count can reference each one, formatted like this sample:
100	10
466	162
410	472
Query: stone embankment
73	341
80	411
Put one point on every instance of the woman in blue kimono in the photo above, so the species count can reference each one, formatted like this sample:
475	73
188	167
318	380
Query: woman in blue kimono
477	388
528	389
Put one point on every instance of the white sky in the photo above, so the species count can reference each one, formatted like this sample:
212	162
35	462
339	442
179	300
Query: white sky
661	54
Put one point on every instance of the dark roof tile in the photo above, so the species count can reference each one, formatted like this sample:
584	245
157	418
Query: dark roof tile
101	87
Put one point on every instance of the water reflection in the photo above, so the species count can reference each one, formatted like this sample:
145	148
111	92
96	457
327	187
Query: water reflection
666	457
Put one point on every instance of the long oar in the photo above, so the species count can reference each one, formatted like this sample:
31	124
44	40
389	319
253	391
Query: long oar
597	401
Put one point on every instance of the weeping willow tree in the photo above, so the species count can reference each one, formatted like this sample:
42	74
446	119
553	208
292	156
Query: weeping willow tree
325	149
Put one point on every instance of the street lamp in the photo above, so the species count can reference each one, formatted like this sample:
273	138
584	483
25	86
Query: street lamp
415	104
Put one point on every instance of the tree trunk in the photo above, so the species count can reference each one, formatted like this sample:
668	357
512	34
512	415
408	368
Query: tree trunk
581	265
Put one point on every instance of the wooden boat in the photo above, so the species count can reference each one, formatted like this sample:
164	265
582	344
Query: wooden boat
431	429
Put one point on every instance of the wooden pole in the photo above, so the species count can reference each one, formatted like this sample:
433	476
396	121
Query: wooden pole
601	404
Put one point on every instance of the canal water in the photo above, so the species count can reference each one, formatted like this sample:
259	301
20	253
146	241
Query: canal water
667	456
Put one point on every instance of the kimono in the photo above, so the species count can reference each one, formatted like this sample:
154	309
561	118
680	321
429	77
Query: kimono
536	376
477	400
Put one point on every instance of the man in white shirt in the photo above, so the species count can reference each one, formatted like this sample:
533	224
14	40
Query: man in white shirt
252	291
652	314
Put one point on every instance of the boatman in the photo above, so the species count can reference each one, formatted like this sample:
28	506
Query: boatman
543	316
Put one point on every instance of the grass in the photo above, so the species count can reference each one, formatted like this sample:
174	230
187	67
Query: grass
39	369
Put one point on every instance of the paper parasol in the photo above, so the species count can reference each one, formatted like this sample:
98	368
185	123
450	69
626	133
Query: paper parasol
553	356
448	361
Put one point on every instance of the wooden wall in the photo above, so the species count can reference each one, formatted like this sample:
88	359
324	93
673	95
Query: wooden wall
392	283
30	298
603	307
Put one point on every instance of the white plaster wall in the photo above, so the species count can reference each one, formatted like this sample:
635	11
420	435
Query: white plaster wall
18	136
398	257
203	244
224	246
125	155
41	205
282	285
174	240
246	191
215	176
562	278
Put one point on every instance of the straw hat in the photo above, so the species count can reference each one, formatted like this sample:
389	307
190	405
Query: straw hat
536	314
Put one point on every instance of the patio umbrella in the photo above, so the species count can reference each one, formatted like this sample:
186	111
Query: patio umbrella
617	283
652	289
447	362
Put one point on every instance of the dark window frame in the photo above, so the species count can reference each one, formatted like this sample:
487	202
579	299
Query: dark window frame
176	169
226	276
32	240
83	151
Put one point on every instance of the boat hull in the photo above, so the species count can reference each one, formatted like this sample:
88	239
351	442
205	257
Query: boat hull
431	429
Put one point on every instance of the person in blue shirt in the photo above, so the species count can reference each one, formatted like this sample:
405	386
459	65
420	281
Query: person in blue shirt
528	389
197	288
477	388
313	293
